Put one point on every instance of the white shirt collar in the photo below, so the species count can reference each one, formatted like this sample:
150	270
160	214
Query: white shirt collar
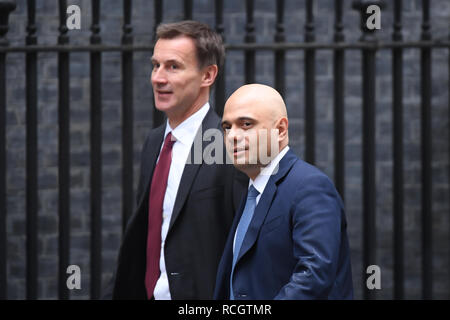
263	177
185	132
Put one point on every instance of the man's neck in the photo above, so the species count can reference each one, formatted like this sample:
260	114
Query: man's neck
176	120
253	173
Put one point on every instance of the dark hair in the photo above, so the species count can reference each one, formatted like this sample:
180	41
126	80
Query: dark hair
209	45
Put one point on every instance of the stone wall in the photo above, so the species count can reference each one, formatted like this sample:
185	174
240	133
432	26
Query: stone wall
234	21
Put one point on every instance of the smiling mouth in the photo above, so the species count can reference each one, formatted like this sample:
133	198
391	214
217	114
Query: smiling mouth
163	92
237	150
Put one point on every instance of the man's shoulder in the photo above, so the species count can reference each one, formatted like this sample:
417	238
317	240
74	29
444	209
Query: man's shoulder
304	173
156	132
306	168
154	137
211	119
305	177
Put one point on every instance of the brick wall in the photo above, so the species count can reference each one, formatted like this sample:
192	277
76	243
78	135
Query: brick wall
111	24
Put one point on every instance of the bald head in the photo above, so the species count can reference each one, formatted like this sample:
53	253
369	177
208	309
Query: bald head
255	122
267	98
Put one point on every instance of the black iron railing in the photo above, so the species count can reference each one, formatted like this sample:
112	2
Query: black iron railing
368	45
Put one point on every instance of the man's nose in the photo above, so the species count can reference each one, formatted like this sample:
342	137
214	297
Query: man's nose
234	135
159	76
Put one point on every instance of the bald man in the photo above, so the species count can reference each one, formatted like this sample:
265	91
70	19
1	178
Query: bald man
288	239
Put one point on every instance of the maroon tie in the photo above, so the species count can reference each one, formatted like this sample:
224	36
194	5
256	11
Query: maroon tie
155	208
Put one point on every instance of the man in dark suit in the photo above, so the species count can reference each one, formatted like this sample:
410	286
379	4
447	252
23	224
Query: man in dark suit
288	239
173	242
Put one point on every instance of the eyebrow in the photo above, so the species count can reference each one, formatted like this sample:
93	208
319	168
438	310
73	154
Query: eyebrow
245	118
153	60
239	119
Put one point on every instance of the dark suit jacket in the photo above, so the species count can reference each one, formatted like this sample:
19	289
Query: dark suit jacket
204	208
296	246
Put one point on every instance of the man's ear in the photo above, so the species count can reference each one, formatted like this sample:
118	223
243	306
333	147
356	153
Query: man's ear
209	75
282	127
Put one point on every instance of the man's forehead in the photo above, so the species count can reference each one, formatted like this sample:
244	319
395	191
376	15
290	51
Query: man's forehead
169	55
238	111
180	49
180	46
242	105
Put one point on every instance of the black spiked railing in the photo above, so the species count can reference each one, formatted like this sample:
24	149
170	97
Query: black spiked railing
63	153
31	157
96	154
449	133
280	54
368	143
426	146
412	44
339	110
310	93
220	81
158	116
127	117
368	45
188	7
397	149
5	9
250	38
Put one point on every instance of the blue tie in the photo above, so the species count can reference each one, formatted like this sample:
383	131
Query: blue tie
241	230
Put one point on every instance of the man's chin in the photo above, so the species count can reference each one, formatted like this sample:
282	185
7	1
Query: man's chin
162	106
246	167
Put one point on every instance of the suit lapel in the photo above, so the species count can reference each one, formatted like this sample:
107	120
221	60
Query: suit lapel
227	257
265	203
211	120
258	218
240	184
150	154
238	216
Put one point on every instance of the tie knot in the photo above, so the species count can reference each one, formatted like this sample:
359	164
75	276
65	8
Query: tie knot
169	141
252	192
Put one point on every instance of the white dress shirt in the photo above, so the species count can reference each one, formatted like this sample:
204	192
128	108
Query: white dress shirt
263	177
184	134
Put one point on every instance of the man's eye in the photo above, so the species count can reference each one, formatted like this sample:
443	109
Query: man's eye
173	67
155	65
247	124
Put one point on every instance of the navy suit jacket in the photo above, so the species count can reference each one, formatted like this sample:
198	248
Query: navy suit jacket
205	204
296	246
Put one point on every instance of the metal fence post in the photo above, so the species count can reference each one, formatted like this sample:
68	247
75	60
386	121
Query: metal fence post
96	154
368	143
339	106
127	116
5	9
280	54
63	153
397	150
310	86
426	149
32	157
250	37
